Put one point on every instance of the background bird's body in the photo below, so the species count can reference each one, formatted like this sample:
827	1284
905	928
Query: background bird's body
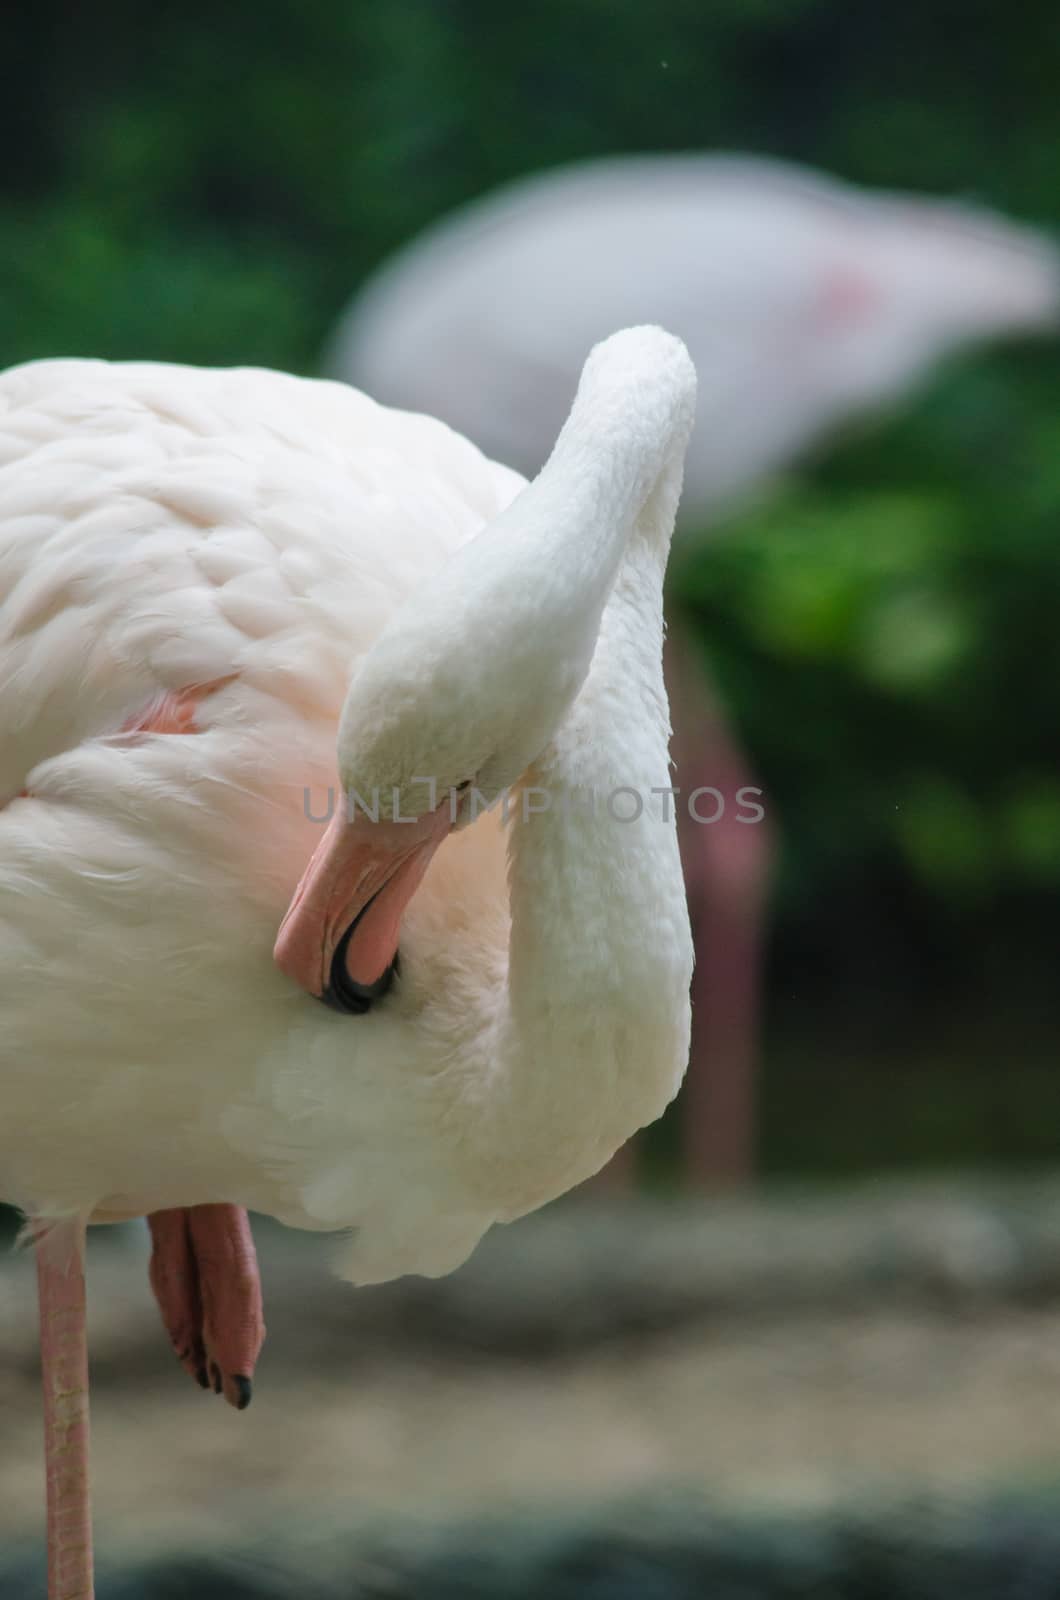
234	542
802	300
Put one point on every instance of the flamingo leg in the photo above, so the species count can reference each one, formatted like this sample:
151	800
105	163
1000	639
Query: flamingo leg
204	1273
619	1176
64	1365
727	906
727	865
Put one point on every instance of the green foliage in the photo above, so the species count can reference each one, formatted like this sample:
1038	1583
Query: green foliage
888	628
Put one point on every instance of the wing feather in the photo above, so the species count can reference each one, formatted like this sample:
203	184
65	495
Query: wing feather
165	526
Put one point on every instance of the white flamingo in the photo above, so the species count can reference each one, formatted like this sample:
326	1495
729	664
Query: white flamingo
804	302
222	594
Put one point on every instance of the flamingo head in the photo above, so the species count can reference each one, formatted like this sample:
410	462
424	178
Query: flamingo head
456	698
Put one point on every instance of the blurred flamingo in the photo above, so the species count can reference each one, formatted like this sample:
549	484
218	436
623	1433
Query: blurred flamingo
804	303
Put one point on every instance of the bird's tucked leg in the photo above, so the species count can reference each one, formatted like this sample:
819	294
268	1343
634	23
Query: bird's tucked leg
204	1273
64	1366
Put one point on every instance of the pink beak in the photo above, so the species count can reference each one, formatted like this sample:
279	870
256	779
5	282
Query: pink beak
339	938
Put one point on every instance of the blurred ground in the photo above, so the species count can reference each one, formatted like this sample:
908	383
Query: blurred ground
795	1354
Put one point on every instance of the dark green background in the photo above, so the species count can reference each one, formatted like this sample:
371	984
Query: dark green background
210	183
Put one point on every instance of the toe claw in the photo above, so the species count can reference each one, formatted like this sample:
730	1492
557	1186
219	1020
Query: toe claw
205	1278
243	1392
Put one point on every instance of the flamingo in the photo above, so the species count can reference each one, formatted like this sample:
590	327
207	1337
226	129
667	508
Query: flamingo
804	302
288	680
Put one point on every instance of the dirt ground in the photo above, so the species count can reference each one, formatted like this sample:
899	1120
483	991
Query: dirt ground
365	1406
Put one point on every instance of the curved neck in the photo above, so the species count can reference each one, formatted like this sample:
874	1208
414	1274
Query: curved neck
549	623
595	1017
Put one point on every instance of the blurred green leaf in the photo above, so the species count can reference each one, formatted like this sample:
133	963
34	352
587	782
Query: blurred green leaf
945	836
1031	830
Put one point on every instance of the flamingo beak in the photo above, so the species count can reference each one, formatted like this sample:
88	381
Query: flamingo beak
339	938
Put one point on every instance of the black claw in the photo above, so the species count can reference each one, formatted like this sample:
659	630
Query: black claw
201	1379
244	1392
218	1384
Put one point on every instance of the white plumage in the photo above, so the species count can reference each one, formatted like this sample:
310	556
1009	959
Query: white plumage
247	536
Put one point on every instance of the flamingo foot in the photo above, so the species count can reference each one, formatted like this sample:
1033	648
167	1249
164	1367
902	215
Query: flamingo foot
204	1273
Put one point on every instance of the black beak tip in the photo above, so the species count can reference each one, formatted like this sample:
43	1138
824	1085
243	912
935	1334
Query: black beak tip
343	994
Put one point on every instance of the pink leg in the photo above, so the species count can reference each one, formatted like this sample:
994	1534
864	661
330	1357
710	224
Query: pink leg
727	865
719	1124
620	1174
64	1364
204	1272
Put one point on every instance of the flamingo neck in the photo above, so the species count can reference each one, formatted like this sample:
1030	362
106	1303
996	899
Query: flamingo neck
595	1018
